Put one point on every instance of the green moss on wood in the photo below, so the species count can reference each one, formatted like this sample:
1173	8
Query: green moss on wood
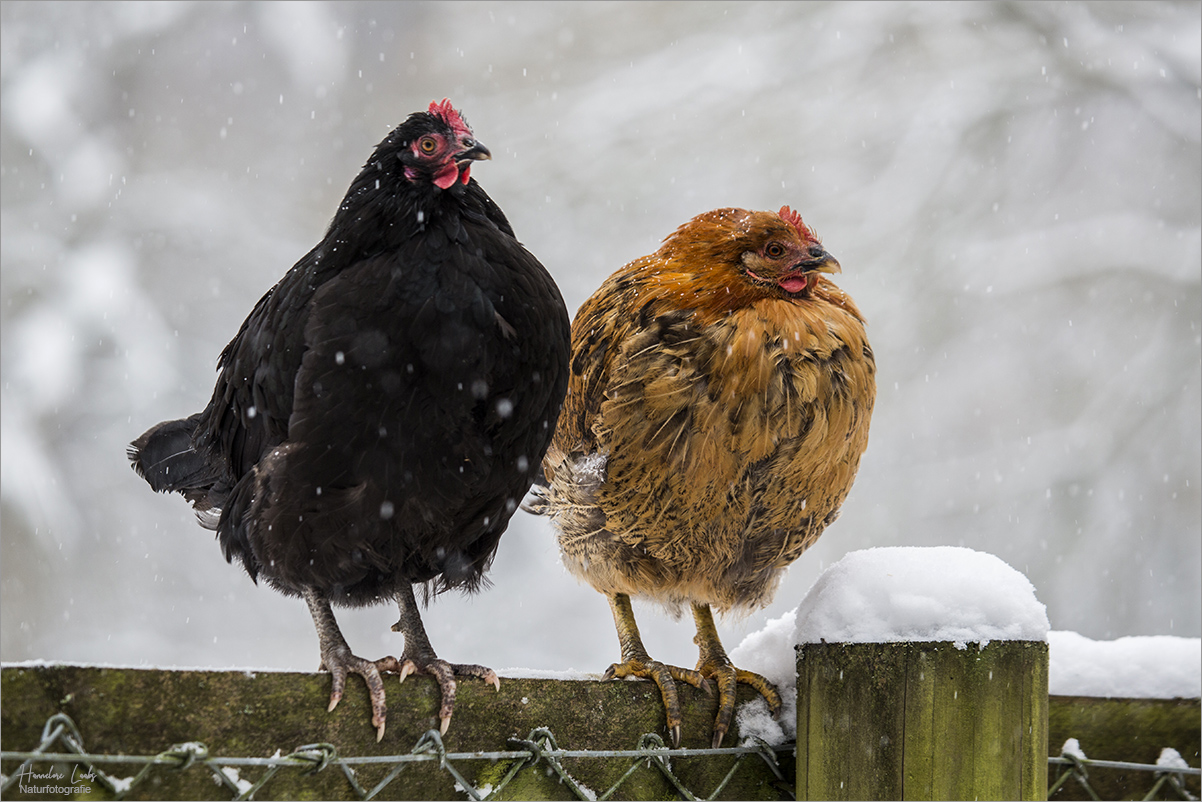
143	712
921	721
135	711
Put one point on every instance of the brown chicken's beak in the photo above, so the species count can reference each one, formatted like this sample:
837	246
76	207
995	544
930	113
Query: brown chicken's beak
820	262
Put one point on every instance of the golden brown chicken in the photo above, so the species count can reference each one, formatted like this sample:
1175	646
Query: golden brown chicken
717	409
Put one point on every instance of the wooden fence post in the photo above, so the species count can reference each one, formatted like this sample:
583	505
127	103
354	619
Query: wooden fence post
922	721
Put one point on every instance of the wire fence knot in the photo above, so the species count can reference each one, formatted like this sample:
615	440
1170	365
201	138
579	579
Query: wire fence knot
61	726
182	756
431	744
650	741
316	756
535	743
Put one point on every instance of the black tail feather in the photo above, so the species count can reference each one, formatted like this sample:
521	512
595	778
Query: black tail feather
164	457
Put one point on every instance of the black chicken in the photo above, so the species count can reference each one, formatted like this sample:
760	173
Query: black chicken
385	407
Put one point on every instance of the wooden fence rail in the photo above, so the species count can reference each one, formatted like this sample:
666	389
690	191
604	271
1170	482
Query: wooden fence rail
912	695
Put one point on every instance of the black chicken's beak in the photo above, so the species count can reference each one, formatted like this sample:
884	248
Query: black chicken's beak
820	262
474	152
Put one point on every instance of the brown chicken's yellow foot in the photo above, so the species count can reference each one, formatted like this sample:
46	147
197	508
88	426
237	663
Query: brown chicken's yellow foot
637	663
715	665
648	669
662	675
764	686
728	677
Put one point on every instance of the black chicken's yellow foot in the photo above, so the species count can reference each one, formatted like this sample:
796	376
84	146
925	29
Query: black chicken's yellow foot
662	675
444	674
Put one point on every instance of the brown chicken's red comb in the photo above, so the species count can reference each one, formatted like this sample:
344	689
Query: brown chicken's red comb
446	112
794	219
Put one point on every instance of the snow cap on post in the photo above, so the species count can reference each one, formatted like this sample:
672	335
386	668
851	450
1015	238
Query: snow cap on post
932	593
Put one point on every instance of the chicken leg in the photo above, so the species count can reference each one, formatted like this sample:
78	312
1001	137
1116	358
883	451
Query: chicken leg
419	658
336	657
714	664
637	663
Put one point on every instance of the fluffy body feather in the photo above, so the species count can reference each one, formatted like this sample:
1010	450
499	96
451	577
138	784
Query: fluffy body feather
384	407
718	406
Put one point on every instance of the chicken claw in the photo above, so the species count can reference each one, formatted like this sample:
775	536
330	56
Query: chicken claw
662	675
339	664
336	657
715	665
444	674
419	658
637	663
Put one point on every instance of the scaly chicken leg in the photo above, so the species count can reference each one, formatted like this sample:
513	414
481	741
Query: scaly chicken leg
336	657
637	663
714	664
419	657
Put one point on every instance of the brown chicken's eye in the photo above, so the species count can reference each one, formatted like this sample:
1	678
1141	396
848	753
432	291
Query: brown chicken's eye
427	144
774	250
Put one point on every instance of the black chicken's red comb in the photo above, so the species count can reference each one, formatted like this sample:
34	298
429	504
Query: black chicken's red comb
447	113
794	219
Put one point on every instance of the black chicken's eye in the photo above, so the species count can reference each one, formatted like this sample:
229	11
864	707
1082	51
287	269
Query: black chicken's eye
774	250
427	144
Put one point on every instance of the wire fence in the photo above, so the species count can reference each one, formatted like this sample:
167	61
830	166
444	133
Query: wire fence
61	743
1168	774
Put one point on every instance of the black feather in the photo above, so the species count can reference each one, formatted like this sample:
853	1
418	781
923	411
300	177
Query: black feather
164	457
385	407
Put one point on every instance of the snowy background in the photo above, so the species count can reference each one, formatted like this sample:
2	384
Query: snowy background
1014	192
